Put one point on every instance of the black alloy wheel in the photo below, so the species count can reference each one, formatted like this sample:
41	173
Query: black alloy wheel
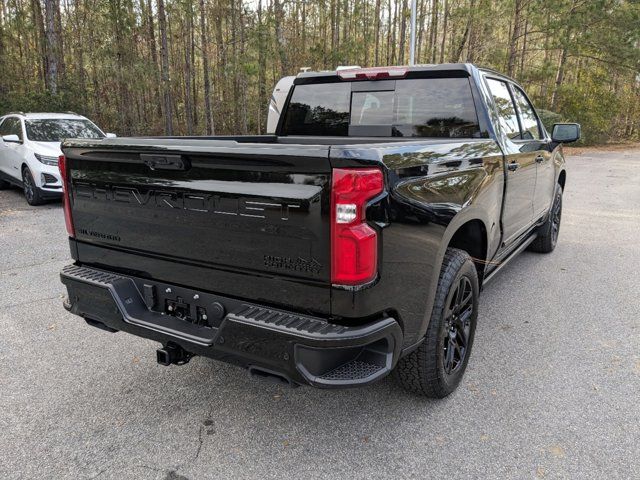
556	216
548	232
457	326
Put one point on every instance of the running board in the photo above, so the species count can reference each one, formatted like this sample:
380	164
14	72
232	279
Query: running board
509	257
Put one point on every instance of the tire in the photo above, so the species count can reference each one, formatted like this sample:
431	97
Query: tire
436	367
31	191
548	232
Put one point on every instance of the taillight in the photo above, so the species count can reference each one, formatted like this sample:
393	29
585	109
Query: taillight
375	73
66	195
354	244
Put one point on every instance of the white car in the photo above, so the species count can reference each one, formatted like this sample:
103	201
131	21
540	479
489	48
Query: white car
30	147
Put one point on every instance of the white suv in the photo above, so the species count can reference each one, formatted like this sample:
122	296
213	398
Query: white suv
30	147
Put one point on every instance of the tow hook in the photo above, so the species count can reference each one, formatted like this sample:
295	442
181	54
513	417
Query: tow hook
172	354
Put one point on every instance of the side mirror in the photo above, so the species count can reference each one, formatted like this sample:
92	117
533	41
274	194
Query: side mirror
12	138
110	135
565	132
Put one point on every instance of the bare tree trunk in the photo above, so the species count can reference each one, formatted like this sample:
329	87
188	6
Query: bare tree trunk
403	31
545	84
377	34
59	41
280	40
262	69
444	29
304	29
3	86
153	50
566	38
472	47
559	76
242	80
194	76
524	44
52	61
465	35
434	32
420	27
332	19
345	25
204	46
234	55
515	36
188	67
221	85
164	70
394	44
389	55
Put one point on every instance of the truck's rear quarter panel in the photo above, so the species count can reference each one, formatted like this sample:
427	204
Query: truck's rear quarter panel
435	186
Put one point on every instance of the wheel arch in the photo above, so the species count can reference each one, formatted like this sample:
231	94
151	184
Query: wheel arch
471	237
471	221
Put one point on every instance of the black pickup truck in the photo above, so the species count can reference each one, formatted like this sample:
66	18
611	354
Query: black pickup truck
351	244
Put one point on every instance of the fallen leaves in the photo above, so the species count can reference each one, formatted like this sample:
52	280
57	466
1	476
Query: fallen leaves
557	451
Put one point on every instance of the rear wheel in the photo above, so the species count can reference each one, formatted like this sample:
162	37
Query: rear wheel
436	367
31	191
548	232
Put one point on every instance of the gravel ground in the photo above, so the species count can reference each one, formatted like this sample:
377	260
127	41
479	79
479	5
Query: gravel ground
552	389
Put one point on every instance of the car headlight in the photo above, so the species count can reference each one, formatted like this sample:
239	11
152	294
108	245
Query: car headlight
53	161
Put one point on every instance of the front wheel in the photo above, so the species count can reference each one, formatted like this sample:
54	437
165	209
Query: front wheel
31	191
436	367
548	232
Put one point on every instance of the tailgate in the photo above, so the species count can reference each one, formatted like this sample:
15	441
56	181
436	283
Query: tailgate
247	211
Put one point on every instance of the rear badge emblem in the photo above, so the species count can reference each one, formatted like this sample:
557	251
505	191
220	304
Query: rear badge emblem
294	264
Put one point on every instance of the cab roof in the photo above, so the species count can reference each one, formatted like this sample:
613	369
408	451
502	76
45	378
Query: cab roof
462	68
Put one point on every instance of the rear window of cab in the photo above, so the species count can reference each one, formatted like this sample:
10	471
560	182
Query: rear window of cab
425	107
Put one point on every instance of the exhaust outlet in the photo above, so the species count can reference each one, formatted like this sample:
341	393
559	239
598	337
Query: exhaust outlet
271	377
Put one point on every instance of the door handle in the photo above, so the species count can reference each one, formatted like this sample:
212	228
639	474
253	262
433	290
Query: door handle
539	159
513	166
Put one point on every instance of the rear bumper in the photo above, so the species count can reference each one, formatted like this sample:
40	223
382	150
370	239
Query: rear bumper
299	348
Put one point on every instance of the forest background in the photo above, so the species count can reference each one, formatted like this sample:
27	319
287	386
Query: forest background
196	67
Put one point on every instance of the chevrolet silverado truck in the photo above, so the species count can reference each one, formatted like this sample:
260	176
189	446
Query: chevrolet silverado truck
351	244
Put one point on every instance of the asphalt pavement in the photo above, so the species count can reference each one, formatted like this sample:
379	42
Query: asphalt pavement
552	389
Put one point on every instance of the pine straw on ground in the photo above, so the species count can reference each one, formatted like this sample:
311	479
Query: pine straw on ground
609	147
